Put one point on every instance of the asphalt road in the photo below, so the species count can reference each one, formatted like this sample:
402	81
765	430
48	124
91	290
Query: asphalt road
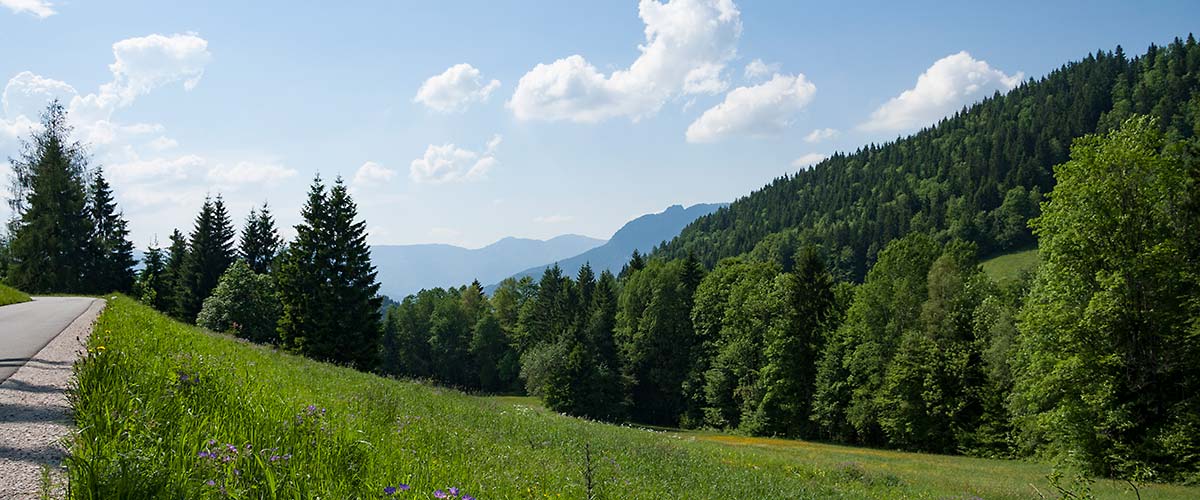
27	327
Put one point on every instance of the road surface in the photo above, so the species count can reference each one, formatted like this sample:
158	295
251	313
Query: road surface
27	327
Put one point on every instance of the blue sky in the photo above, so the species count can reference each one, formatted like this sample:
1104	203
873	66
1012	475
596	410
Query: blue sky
464	122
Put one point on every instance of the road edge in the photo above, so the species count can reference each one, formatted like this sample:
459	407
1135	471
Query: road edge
36	418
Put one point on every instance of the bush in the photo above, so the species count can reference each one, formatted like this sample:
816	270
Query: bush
243	303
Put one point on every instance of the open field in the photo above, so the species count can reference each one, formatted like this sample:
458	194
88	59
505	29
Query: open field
169	411
9	295
1008	267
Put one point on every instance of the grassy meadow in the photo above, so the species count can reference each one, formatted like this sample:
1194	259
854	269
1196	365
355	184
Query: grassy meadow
1008	267
166	410
9	295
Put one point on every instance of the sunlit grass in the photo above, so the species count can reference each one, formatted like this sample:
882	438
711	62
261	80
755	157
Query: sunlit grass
9	295
1008	267
160	407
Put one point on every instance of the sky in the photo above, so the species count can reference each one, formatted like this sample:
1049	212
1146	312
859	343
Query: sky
466	122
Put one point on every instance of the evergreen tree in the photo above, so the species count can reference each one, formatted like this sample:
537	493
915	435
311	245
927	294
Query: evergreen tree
111	268
152	286
327	283
210	253
260	240
172	280
51	230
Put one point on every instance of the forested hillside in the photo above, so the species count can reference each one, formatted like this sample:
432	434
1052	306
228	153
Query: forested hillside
976	176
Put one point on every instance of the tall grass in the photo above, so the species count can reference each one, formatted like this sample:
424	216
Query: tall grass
166	410
9	295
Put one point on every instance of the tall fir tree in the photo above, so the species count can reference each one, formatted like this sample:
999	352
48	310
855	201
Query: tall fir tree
327	283
51	229
152	286
112	264
172	279
210	253
260	240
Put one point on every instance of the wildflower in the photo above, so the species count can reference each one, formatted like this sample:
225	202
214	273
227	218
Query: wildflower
389	490
439	494
402	487
210	482
467	497
454	491
212	442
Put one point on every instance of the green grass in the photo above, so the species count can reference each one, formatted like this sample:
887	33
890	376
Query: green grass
152	393
1008	267
9	295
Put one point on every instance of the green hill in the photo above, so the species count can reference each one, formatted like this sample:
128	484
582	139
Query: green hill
166	410
1008	267
974	176
9	295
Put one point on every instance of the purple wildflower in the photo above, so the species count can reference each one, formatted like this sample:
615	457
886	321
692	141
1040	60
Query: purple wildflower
403	487
210	482
212	442
439	494
389	490
467	497
454	491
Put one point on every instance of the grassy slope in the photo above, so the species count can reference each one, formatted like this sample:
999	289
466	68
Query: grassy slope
152	392
10	295
1008	267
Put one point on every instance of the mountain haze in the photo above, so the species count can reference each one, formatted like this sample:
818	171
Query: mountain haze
643	234
406	269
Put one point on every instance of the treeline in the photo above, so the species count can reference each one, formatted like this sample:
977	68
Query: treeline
66	234
1094	358
975	176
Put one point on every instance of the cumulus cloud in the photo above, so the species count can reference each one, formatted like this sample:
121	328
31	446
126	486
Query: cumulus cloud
39	8
949	84
371	173
142	64
763	109
455	89
449	163
553	219
821	134
132	168
687	45
809	160
758	69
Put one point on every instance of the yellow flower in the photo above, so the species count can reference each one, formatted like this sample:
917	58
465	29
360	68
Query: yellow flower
99	348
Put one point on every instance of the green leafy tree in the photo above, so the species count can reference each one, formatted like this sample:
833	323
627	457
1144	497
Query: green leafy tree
243	303
51	231
260	240
210	252
111	267
1107	348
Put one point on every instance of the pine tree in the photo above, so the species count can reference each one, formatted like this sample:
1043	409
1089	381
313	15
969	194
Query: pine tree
152	284
260	240
112	265
172	279
210	253
327	283
51	231
636	263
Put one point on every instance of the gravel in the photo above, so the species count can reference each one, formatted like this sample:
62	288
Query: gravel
35	416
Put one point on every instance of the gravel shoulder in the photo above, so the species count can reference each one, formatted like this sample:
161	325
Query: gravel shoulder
35	415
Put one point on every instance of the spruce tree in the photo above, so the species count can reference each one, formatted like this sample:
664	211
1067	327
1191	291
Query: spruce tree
260	240
51	230
112	264
172	281
210	253
327	283
152	286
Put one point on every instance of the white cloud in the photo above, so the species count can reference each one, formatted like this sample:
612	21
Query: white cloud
142	64
455	89
163	143
553	219
26	94
39	8
449	163
949	84
134	168
821	134
758	69
246	172
763	109
808	160
371	173
688	43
